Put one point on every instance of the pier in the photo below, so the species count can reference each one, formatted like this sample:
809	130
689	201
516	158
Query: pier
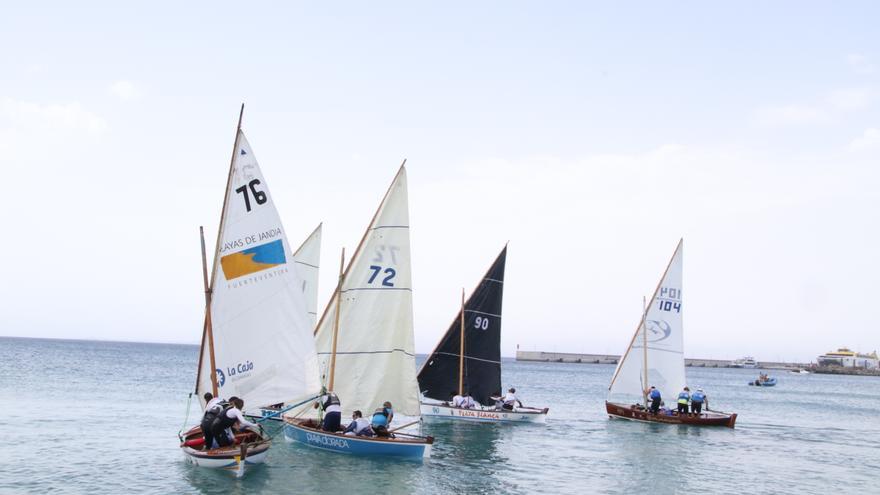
569	357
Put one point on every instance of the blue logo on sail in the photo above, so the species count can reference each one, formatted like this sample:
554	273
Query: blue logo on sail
657	330
253	260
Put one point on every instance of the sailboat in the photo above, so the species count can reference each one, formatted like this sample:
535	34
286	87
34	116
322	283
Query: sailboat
468	359
306	262
257	341
655	357
365	338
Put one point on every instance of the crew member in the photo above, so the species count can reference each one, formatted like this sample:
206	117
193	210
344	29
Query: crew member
359	426
382	419
213	407
456	399
221	427
467	402
332	408
697	400
511	400
654	395
683	398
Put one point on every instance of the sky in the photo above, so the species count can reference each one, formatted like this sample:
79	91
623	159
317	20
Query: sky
590	135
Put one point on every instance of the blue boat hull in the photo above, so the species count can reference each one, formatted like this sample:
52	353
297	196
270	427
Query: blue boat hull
409	449
769	383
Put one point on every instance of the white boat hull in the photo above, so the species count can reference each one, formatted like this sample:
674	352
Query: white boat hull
231	463
232	458
440	411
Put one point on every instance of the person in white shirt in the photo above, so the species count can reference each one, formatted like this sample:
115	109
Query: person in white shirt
456	399
359	426
221	428
511	400
332	408
467	402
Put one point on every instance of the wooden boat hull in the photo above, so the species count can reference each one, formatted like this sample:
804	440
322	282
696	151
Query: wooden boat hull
307	433
256	448
638	413
443	412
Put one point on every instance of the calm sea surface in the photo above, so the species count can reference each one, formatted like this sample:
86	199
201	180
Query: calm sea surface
102	417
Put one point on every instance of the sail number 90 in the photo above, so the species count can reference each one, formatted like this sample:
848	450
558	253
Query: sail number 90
259	196
481	322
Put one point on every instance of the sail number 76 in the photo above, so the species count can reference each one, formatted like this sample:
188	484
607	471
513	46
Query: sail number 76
259	196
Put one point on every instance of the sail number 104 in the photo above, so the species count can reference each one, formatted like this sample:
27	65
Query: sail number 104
669	299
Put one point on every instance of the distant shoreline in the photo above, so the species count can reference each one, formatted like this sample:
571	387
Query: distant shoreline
19	337
568	357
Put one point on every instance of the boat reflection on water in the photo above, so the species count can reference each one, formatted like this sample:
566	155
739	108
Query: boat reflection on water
468	444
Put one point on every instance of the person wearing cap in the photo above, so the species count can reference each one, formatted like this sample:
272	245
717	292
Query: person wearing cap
697	400
683	398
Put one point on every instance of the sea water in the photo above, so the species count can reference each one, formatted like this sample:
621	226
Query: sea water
103	417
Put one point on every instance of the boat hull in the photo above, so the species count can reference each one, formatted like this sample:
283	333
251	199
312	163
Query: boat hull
769	383
638	413
306	432
250	449
442	412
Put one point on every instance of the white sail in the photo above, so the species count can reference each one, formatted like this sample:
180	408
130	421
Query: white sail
307	259
263	346
662	324
375	352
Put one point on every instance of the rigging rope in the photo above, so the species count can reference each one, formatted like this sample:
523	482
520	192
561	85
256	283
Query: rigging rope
186	418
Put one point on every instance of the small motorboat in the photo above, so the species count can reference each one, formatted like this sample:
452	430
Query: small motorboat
764	382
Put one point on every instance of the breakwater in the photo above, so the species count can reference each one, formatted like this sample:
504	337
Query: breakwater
570	357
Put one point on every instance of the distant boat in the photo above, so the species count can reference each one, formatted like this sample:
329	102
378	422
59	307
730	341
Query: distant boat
655	357
799	371
365	339
849	359
257	341
764	381
468	359
746	362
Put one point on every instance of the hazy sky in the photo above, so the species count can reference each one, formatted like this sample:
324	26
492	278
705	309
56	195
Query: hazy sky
592	136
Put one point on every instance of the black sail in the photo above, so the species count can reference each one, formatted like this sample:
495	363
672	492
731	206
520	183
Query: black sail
482	345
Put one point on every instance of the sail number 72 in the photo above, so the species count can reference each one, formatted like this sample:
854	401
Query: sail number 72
389	275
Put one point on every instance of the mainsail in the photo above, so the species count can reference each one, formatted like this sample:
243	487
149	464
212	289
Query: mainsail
375	354
307	259
262	341
482	344
661	329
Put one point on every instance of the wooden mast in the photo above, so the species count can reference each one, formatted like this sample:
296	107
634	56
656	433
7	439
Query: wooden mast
461	350
209	333
645	351
336	323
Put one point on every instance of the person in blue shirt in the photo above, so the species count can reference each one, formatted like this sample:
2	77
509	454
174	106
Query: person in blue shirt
697	401
381	419
683	398
654	395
